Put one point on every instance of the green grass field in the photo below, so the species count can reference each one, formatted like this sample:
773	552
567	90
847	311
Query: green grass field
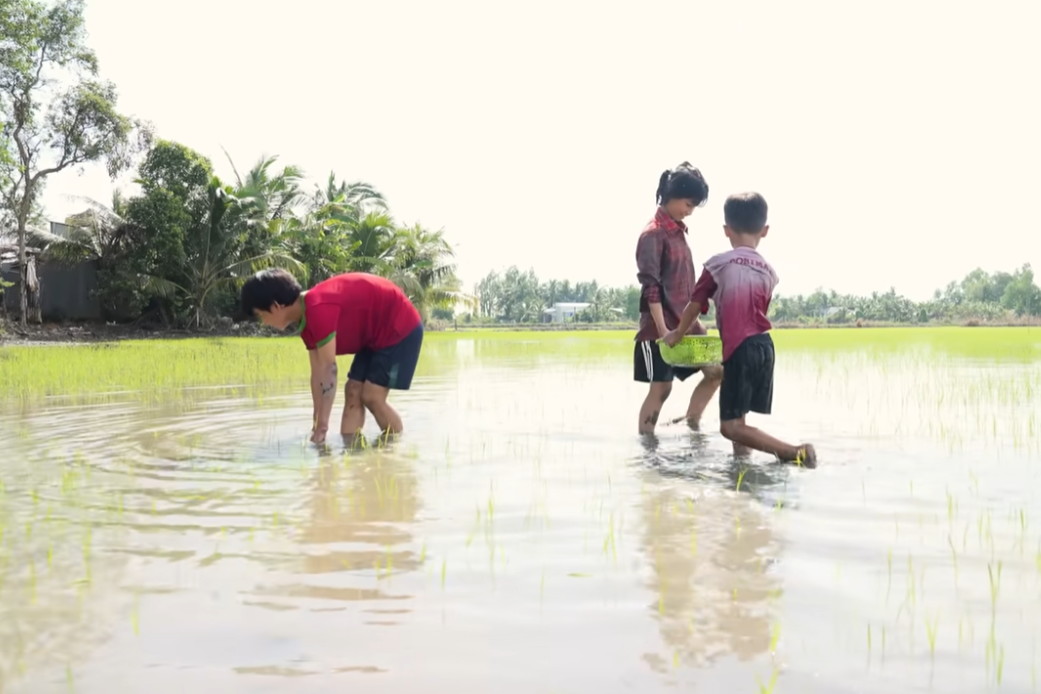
154	366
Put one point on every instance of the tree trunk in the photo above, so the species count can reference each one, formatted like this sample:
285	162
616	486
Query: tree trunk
23	276
34	303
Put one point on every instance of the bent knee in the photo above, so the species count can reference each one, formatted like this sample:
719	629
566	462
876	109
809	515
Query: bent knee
730	428
373	395
353	393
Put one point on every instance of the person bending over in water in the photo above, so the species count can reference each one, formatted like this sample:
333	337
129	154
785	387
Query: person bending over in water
741	283
353	313
665	270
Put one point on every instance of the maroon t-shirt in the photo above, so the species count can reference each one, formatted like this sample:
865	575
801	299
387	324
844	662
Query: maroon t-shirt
665	270
359	311
741	283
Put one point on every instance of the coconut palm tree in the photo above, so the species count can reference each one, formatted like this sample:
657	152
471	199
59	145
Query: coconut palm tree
321	243
213	257
272	194
349	202
423	268
373	240
98	233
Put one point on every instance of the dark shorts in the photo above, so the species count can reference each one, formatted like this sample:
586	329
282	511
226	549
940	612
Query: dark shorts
748	379
390	367
649	367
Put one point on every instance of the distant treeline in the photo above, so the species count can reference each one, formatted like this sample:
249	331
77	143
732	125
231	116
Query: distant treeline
520	297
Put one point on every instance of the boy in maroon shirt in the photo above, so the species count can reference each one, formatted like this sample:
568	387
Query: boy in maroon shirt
665	270
741	283
353	313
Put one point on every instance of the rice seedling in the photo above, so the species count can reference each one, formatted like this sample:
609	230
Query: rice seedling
995	585
768	687
930	629
603	523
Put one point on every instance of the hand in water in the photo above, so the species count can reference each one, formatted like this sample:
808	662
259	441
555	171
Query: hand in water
318	435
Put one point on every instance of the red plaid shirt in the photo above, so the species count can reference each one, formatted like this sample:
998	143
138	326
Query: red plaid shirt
665	270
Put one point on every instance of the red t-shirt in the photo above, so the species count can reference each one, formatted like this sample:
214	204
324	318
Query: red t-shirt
741	283
359	311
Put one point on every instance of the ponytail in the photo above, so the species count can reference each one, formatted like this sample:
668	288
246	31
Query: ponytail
684	181
663	185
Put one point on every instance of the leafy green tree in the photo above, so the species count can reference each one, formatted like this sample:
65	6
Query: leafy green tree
423	268
632	303
173	201
373	240
320	243
101	235
348	202
1020	295
56	113
212	260
199	237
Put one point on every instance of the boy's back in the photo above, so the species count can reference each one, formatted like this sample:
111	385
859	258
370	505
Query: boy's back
364	310
741	284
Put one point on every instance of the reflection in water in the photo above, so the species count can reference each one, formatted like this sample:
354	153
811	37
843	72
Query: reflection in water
360	516
58	584
710	549
224	554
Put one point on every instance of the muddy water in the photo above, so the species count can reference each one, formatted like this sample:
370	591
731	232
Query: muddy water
521	538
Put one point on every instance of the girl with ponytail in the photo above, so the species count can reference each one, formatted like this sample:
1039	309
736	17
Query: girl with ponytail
665	270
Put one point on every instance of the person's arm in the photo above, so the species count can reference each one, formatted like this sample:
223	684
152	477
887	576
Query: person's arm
689	315
698	305
648	273
313	354
323	387
322	321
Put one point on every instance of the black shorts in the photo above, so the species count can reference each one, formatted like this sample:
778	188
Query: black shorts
390	367
748	379
649	367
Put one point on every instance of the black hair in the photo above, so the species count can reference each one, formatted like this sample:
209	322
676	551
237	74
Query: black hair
267	288
683	182
745	213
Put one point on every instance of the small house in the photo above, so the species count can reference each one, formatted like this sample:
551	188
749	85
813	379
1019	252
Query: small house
562	312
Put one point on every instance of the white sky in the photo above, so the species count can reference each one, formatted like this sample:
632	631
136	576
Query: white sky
897	141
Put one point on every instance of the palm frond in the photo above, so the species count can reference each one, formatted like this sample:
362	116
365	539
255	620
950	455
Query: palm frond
238	178
78	248
247	266
162	288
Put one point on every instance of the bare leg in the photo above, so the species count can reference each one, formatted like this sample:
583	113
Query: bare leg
739	450
652	404
711	378
374	398
353	420
745	437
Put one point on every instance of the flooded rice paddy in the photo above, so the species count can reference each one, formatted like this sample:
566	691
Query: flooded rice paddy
164	526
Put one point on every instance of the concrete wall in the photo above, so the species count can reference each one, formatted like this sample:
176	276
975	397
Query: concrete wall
66	292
